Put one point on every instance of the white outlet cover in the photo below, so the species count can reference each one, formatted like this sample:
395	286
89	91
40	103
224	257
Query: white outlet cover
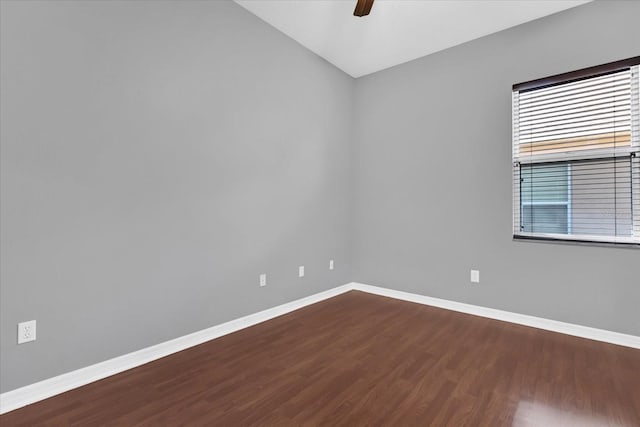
475	276
330	264
301	271
26	331
263	280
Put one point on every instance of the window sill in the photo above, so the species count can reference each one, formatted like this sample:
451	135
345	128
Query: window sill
579	242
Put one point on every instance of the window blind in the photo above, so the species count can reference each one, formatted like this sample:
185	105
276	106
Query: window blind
576	156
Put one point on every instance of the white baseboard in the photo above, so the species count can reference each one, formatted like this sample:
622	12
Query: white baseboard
32	393
507	316
41	390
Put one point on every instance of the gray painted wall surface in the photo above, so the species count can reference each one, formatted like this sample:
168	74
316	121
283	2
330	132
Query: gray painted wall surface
433	176
156	157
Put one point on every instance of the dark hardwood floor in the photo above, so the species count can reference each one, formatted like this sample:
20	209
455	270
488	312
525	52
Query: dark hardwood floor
361	359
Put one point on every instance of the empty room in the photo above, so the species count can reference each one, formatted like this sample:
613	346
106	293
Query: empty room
320	213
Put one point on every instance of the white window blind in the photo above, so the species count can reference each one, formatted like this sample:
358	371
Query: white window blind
576	156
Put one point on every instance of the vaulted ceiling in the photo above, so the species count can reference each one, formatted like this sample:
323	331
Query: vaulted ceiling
396	31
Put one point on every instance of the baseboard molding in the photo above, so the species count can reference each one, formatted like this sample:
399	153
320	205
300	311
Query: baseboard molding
507	316
41	390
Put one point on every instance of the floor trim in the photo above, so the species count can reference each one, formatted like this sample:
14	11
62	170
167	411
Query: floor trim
41	390
507	316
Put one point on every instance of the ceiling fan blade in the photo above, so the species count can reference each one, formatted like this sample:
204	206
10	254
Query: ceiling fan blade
363	7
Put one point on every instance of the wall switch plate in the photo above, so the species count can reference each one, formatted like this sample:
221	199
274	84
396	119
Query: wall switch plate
301	271
330	264
26	331
263	280
475	276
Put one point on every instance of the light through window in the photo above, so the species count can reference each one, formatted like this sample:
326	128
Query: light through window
576	156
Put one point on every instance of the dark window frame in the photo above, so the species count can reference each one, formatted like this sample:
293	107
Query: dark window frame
576	75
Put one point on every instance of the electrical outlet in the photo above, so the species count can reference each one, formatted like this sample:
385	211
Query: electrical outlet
301	271
263	280
330	264
475	276
26	331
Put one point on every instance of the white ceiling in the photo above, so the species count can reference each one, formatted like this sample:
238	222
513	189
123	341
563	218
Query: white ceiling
396	31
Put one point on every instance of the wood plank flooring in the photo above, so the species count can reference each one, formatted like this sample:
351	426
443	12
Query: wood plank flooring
360	359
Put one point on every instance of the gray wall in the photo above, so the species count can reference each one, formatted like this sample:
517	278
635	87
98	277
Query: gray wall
156	157
433	176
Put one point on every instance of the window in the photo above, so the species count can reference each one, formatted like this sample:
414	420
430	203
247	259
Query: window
545	209
576	156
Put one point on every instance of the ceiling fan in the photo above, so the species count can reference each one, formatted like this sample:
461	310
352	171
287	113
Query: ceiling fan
363	8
